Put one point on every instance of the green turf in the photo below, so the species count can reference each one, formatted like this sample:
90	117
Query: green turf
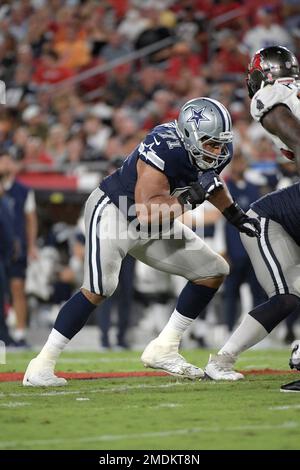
150	413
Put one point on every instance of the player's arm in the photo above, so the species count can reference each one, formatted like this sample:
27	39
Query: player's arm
31	229
152	196
221	198
31	225
281	122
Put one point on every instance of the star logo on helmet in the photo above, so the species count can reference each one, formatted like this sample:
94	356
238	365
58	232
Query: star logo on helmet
198	116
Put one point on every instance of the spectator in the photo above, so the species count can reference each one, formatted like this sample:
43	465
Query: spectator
132	24
267	33
72	50
232	55
116	47
6	252
21	202
49	69
96	133
155	32
183	60
56	145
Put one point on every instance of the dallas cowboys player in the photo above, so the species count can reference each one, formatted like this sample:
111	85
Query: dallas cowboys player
275	93
176	167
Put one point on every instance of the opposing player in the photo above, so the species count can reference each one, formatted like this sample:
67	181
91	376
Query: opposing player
175	168
273	88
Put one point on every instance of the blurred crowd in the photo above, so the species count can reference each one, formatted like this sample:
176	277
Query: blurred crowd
82	90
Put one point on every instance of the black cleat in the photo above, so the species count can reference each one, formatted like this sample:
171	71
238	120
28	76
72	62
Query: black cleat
291	387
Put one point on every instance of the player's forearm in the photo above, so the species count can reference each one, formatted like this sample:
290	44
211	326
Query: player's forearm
221	199
158	209
31	229
281	122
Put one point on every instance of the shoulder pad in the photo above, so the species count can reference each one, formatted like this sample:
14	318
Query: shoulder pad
268	97
163	150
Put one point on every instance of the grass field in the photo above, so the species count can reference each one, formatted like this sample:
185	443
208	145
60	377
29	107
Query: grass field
150	412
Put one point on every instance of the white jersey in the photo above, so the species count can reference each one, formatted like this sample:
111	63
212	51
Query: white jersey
284	91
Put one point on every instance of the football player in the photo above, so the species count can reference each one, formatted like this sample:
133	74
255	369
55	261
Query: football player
134	211
274	92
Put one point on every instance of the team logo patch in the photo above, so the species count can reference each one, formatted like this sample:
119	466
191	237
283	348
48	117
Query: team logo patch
259	105
198	116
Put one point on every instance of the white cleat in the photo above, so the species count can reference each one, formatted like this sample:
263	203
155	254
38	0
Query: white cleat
165	357
220	367
41	374
295	356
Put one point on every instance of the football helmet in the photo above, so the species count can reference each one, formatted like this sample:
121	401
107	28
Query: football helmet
269	64
204	120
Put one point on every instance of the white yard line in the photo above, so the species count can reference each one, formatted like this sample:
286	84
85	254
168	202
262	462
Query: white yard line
284	407
14	404
165	405
121	388
77	360
161	434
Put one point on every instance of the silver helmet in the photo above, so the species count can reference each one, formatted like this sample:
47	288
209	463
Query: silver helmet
204	120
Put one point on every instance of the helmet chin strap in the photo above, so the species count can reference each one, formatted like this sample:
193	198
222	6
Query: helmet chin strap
204	165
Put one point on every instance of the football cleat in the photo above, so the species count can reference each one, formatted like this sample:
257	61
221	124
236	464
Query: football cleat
41	374
295	356
291	387
166	357
220	367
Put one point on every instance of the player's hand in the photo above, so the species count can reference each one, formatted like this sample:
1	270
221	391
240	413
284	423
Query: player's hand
193	196
237	217
249	226
210	182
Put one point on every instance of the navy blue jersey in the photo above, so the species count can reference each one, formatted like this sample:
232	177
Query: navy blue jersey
163	150
282	206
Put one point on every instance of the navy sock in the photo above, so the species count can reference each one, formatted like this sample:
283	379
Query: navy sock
73	315
193	299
